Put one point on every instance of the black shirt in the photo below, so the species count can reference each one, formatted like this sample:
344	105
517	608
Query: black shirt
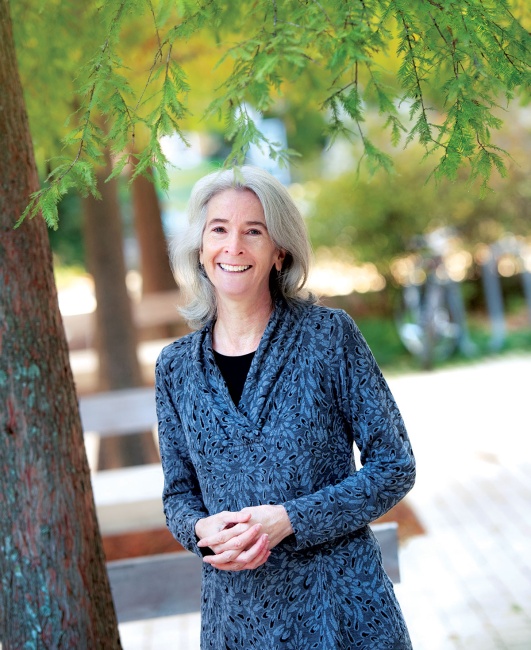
234	371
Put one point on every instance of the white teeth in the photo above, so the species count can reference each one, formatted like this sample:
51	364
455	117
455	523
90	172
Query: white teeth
234	269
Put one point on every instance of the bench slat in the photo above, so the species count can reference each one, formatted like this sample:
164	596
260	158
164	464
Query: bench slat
125	411
170	584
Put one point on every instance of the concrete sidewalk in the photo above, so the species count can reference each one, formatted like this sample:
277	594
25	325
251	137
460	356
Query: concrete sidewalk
466	583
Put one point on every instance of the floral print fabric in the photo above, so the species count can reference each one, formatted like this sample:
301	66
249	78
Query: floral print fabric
313	390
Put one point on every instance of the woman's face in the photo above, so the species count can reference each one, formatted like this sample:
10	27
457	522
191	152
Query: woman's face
237	251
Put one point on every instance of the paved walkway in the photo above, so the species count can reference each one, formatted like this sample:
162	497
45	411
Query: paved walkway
466	584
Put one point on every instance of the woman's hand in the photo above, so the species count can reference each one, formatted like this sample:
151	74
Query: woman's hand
237	544
244	539
273	519
220	524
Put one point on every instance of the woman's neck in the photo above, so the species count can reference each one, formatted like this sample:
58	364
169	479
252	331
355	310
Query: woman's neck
239	328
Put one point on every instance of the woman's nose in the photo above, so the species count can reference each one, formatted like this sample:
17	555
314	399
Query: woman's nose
233	244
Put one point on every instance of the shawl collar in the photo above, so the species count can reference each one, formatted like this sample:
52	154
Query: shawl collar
264	380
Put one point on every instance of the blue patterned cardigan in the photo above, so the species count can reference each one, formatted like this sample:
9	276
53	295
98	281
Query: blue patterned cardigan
313	390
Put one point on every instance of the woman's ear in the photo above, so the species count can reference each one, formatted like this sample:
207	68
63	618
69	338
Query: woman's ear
280	259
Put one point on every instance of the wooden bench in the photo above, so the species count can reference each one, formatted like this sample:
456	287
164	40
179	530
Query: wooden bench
130	500
170	584
152	310
127	499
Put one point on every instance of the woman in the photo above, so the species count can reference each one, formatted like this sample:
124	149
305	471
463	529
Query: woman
258	413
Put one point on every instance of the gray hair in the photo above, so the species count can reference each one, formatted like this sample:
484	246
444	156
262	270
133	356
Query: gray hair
284	223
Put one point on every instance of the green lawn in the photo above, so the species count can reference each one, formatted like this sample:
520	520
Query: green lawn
392	356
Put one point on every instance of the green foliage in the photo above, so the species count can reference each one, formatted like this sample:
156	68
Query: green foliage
376	218
392	357
457	60
67	243
382	336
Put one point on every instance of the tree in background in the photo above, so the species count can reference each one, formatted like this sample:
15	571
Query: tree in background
378	217
54	588
154	262
116	336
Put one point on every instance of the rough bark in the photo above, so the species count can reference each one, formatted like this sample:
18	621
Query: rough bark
119	366
54	587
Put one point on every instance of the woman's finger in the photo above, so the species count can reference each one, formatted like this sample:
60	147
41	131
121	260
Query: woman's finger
225	520
232	556
237	537
256	561
236	566
224	535
234	560
260	559
256	555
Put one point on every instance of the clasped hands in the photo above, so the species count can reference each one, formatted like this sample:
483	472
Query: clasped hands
243	540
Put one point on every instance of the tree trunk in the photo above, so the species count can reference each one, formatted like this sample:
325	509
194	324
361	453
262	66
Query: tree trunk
116	334
54	587
154	261
115	330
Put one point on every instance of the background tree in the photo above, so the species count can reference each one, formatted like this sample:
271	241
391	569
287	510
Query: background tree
154	262
116	336
377	217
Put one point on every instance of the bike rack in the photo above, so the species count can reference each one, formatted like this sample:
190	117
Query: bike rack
492	284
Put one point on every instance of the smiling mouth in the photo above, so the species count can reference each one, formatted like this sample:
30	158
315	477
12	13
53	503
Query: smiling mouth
234	269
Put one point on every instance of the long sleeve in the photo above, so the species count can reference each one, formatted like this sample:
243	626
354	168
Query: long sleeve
182	501
388	464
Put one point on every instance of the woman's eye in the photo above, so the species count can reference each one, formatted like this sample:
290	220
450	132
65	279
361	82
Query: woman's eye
254	231
218	229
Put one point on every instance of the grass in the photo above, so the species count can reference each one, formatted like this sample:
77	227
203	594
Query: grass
383	339
392	356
